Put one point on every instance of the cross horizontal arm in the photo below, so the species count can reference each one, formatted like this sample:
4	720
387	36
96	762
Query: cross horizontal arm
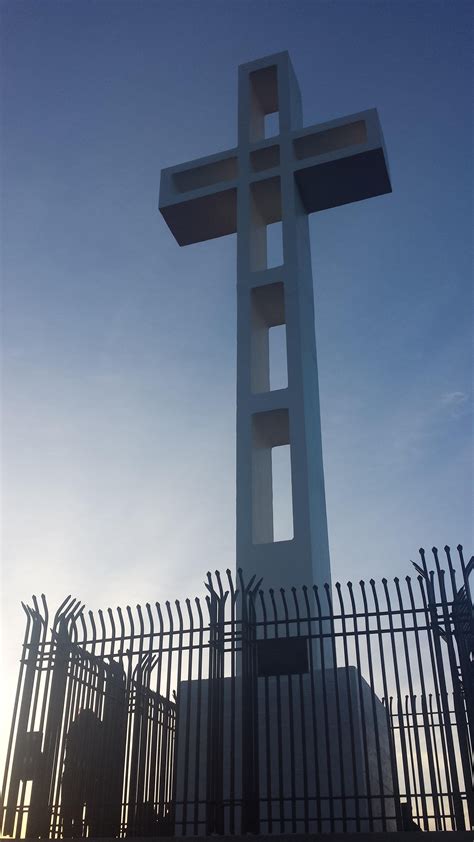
341	161
199	199
334	163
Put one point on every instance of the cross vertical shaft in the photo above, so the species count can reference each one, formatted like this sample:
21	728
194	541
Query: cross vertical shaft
243	190
267	297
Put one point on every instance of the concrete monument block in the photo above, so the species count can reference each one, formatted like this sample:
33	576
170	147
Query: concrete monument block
324	755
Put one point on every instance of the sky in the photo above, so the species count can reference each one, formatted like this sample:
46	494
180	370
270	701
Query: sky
118	347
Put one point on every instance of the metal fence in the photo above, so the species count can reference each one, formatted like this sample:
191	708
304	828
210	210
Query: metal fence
249	711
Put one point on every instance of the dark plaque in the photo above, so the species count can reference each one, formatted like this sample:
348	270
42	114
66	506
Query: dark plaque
282	656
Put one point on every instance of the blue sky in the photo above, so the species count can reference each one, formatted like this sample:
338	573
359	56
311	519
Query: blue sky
118	347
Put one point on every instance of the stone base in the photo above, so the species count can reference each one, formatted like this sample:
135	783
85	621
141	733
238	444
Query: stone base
324	759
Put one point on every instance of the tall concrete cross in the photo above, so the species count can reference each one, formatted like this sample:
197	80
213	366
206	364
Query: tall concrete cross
243	190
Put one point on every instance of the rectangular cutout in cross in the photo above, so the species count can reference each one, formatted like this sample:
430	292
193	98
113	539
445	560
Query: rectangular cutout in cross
263	102
330	140
274	245
266	246
265	158
272	124
269	366
278	357
282	493
205	175
272	496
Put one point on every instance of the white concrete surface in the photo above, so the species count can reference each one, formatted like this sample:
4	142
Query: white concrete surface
314	746
244	190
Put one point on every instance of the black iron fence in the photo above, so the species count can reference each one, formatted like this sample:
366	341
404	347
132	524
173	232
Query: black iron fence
249	711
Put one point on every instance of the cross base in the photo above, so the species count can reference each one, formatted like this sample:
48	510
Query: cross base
324	752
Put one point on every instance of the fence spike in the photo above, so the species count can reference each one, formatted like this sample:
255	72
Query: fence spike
233	590
374	594
199	610
240	578
170	613
452	571
263	604
328	597
252	580
132	627
151	624
122	626
103	632
94	630
180	615
63	603
110	615
219	584
190	613
285	605
418	568
340	597
275	612
318	603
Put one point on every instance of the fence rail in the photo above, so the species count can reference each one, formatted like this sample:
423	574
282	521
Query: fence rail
349	709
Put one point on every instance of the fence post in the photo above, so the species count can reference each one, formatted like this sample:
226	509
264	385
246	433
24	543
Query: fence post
28	666
40	809
436	634
449	634
215	719
463	618
250	768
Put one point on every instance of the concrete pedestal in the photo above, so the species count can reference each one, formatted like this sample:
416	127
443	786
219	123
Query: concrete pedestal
324	760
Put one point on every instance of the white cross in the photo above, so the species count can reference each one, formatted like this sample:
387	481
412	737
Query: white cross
243	190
